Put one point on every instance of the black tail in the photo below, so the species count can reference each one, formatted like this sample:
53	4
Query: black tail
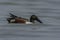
13	16
8	19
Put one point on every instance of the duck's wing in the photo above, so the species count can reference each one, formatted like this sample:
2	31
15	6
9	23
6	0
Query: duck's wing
12	15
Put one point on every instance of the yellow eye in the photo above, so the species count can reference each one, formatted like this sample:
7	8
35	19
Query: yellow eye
33	17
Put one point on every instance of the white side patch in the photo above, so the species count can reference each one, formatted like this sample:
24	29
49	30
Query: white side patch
12	20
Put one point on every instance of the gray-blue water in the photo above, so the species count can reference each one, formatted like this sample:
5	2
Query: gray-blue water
47	10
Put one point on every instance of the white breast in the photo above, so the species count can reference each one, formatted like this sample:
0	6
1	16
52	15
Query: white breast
29	22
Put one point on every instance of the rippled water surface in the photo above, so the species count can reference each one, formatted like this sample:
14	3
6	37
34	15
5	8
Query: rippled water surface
47	10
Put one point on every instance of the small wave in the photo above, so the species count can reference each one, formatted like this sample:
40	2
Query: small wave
22	35
8	3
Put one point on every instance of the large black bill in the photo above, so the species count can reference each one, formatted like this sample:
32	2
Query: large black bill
39	20
33	18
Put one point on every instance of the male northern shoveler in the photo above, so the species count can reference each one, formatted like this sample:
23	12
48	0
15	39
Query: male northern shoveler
16	19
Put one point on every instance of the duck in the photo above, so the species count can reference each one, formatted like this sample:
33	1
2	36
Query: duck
15	19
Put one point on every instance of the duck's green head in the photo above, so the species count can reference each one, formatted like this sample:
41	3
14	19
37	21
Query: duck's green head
33	18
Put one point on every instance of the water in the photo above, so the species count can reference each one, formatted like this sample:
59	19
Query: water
47	10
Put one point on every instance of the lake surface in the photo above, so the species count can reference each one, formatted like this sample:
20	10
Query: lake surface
47	10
